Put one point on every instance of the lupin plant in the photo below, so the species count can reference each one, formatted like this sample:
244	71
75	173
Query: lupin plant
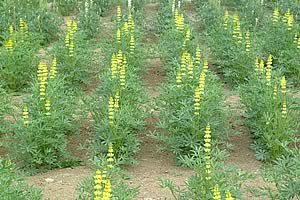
217	194
226	17
248	41
69	39
26	116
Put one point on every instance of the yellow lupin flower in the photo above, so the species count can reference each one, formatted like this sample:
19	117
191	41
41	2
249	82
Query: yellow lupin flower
47	107
107	190
188	34
275	16
181	23
110	156
120	58
290	22
42	74
190	69
123	73
25	116
286	16
202	82
114	66
296	38
248	41
269	69
284	109
198	57
197	99
11	31
178	78
228	196
22	29
226	16
111	111
9	44
298	46
256	64
183	63
262	66
53	69
125	28
217	194
176	15
283	85
275	92
207	150
205	66
25	29
237	25
118	36
130	22
119	14
132	44
97	185
117	100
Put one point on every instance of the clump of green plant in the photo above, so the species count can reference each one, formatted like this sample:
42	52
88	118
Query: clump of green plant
12	185
4	110
283	176
39	138
233	49
212	179
193	95
108	180
67	7
74	56
120	91
18	58
44	24
270	113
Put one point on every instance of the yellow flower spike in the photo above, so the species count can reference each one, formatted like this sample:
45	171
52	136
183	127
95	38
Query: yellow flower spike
118	36
226	16
198	57
190	69
261	66
296	38
104	175
9	44
53	69
283	85
207	150
240	38
107	190
284	109
188	34
298	46
47	107
42	74
176	18
25	116
228	196
290	22
22	29
67	40
181	23
197	99
217	195
275	16
117	100
125	28
130	22
205	66
114	66
248	41
110	156
183	63
25	29
275	92
119	15
123	74
97	185
11	31
111	111
257	64
178	78
132	44
269	69
74	26
120	58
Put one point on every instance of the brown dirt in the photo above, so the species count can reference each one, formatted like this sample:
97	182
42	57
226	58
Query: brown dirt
241	155
60	184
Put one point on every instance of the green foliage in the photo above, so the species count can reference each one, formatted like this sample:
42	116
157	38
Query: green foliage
16	65
228	178
75	69
12	186
4	110
41	22
272	132
43	142
285	174
67	7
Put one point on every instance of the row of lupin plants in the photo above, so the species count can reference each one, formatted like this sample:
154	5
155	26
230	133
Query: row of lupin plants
120	90
74	52
193	95
39	137
42	22
17	57
233	48
192	109
271	113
